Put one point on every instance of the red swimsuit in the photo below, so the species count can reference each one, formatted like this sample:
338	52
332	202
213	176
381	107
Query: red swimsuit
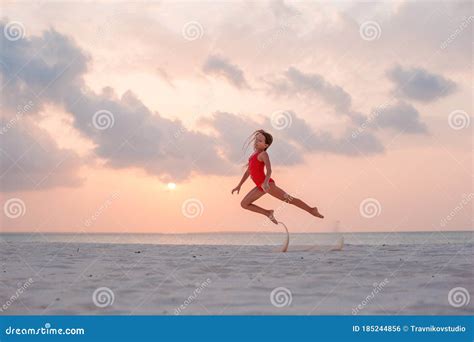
256	170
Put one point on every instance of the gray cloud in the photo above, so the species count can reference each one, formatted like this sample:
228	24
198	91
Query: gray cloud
39	69
307	84
401	116
291	142
298	82
141	138
310	140
232	130
218	65
49	69
31	160
419	84
316	84
35	71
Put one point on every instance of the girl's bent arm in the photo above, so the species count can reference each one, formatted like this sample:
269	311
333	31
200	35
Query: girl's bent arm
268	165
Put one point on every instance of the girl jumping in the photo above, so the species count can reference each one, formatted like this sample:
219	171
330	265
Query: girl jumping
264	184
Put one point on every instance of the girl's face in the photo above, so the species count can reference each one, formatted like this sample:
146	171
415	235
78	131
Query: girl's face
259	143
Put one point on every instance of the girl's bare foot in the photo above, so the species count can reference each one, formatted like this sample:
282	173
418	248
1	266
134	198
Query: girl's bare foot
316	213
271	217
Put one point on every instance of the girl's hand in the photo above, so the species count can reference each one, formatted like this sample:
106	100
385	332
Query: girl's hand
237	188
265	186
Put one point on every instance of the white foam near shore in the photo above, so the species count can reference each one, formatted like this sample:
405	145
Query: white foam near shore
101	278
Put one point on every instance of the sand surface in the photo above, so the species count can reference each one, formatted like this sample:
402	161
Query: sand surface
86	278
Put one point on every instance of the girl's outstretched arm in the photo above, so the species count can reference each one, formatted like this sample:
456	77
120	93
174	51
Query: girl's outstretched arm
242	181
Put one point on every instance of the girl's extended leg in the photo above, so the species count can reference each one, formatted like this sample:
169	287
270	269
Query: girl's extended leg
252	196
279	193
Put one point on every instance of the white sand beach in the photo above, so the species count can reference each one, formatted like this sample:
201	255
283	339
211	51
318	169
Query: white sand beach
42	278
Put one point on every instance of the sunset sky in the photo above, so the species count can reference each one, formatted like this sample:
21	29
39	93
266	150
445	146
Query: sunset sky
105	104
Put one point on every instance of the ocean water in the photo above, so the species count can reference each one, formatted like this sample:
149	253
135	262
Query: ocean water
245	238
